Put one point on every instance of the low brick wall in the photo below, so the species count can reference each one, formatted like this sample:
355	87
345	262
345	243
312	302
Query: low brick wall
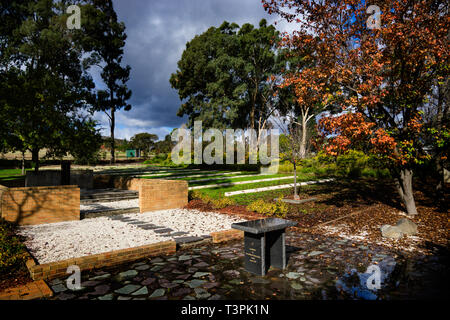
227	235
39	205
154	194
162	194
3	189
33	290
58	269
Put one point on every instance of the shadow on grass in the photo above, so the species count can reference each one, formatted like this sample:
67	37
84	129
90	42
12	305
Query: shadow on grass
355	193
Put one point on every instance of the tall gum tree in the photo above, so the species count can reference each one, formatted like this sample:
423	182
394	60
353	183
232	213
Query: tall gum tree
384	75
105	38
224	76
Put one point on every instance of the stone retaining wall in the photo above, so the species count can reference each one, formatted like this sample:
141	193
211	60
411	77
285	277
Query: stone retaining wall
39	205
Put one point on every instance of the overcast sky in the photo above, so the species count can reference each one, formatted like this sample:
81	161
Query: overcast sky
157	35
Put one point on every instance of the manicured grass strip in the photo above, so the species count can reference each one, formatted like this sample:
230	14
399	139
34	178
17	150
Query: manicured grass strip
144	171
233	179
285	186
208	175
221	178
247	198
8	173
229	184
218	192
175	175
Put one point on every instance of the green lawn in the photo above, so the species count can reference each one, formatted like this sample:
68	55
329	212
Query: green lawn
11	174
238	179
218	192
185	173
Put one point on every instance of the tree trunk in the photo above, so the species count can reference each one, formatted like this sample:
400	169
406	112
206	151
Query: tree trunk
440	178
35	159
113	143
23	163
405	190
302	147
296	197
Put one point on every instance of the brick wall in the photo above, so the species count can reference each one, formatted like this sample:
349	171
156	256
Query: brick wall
107	259
3	189
154	194
162	194
227	235
38	205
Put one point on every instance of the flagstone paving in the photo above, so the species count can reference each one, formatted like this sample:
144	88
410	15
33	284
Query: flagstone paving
318	268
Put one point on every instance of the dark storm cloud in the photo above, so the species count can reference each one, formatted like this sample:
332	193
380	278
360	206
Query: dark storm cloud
157	34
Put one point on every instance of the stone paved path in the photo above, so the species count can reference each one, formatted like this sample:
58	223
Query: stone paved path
318	268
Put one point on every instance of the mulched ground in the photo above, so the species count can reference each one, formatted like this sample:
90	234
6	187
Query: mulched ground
357	209
15	279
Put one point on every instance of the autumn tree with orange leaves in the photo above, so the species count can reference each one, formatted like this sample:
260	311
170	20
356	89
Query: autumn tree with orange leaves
375	71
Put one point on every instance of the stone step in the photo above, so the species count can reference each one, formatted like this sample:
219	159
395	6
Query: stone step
107	193
107	213
108	199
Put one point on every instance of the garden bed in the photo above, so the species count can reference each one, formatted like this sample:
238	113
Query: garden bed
13	256
355	210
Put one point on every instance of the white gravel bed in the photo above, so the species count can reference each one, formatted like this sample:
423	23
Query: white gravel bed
114	205
65	240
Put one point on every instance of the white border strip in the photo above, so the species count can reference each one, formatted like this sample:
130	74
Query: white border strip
283	186
230	184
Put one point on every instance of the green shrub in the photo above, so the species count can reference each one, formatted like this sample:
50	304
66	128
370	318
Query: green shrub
12	251
278	209
222	203
351	164
215	203
286	166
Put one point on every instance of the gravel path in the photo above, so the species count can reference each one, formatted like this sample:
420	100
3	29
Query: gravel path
65	240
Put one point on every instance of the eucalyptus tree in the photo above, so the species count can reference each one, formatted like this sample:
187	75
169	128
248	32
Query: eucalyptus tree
105	39
224	76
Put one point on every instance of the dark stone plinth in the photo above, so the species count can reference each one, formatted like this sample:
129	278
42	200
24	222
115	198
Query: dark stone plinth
264	244
65	173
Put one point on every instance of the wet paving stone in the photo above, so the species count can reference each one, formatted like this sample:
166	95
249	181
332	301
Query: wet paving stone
109	296
157	293
126	275
101	277
142	267
128	289
317	269
140	292
195	283
100	290
59	288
